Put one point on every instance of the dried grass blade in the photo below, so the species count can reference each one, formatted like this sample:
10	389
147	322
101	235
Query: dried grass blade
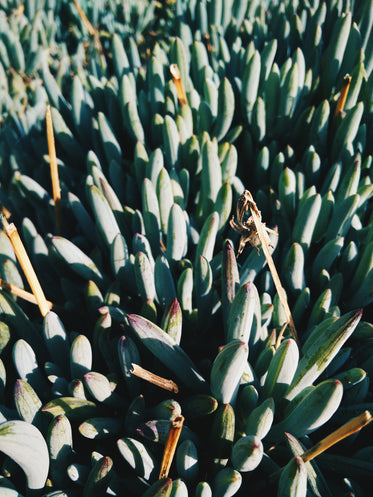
344	431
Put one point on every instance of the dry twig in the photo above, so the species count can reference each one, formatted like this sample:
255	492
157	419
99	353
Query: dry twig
343	95
26	265
153	378
170	447
20	292
91	30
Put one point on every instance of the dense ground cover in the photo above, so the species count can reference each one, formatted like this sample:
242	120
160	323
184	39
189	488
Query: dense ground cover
163	114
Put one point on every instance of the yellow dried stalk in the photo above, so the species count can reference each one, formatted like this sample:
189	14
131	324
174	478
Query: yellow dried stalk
26	266
91	30
5	212
155	379
23	108
280	335
343	95
19	11
339	108
170	447
344	431
56	188
181	95
21	293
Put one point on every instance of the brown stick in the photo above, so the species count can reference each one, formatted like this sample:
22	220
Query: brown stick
26	265
181	95
344	431
343	95
21	293
155	379
5	212
91	30
170	447
54	169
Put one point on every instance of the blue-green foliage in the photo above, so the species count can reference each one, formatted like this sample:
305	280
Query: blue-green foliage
144	269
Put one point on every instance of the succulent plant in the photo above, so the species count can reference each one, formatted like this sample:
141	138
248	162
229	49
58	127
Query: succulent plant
139	354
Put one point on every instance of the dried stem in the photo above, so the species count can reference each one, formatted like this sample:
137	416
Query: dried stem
54	169
21	293
181	95
23	108
280	335
170	447
344	431
155	379
339	108
26	265
5	212
265	246
91	30
343	95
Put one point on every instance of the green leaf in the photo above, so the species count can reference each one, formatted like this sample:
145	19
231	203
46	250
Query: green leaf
227	482
226	106
177	241
26	401
80	357
247	453
244	307
206	242
261	418
60	441
322	351
139	457
293	479
315	479
100	428
172	321
72	407
316	406
281	370
98	478
56	339
227	369
105	219
167	351
24	443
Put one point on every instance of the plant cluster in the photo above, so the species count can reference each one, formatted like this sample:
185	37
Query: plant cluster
157	362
